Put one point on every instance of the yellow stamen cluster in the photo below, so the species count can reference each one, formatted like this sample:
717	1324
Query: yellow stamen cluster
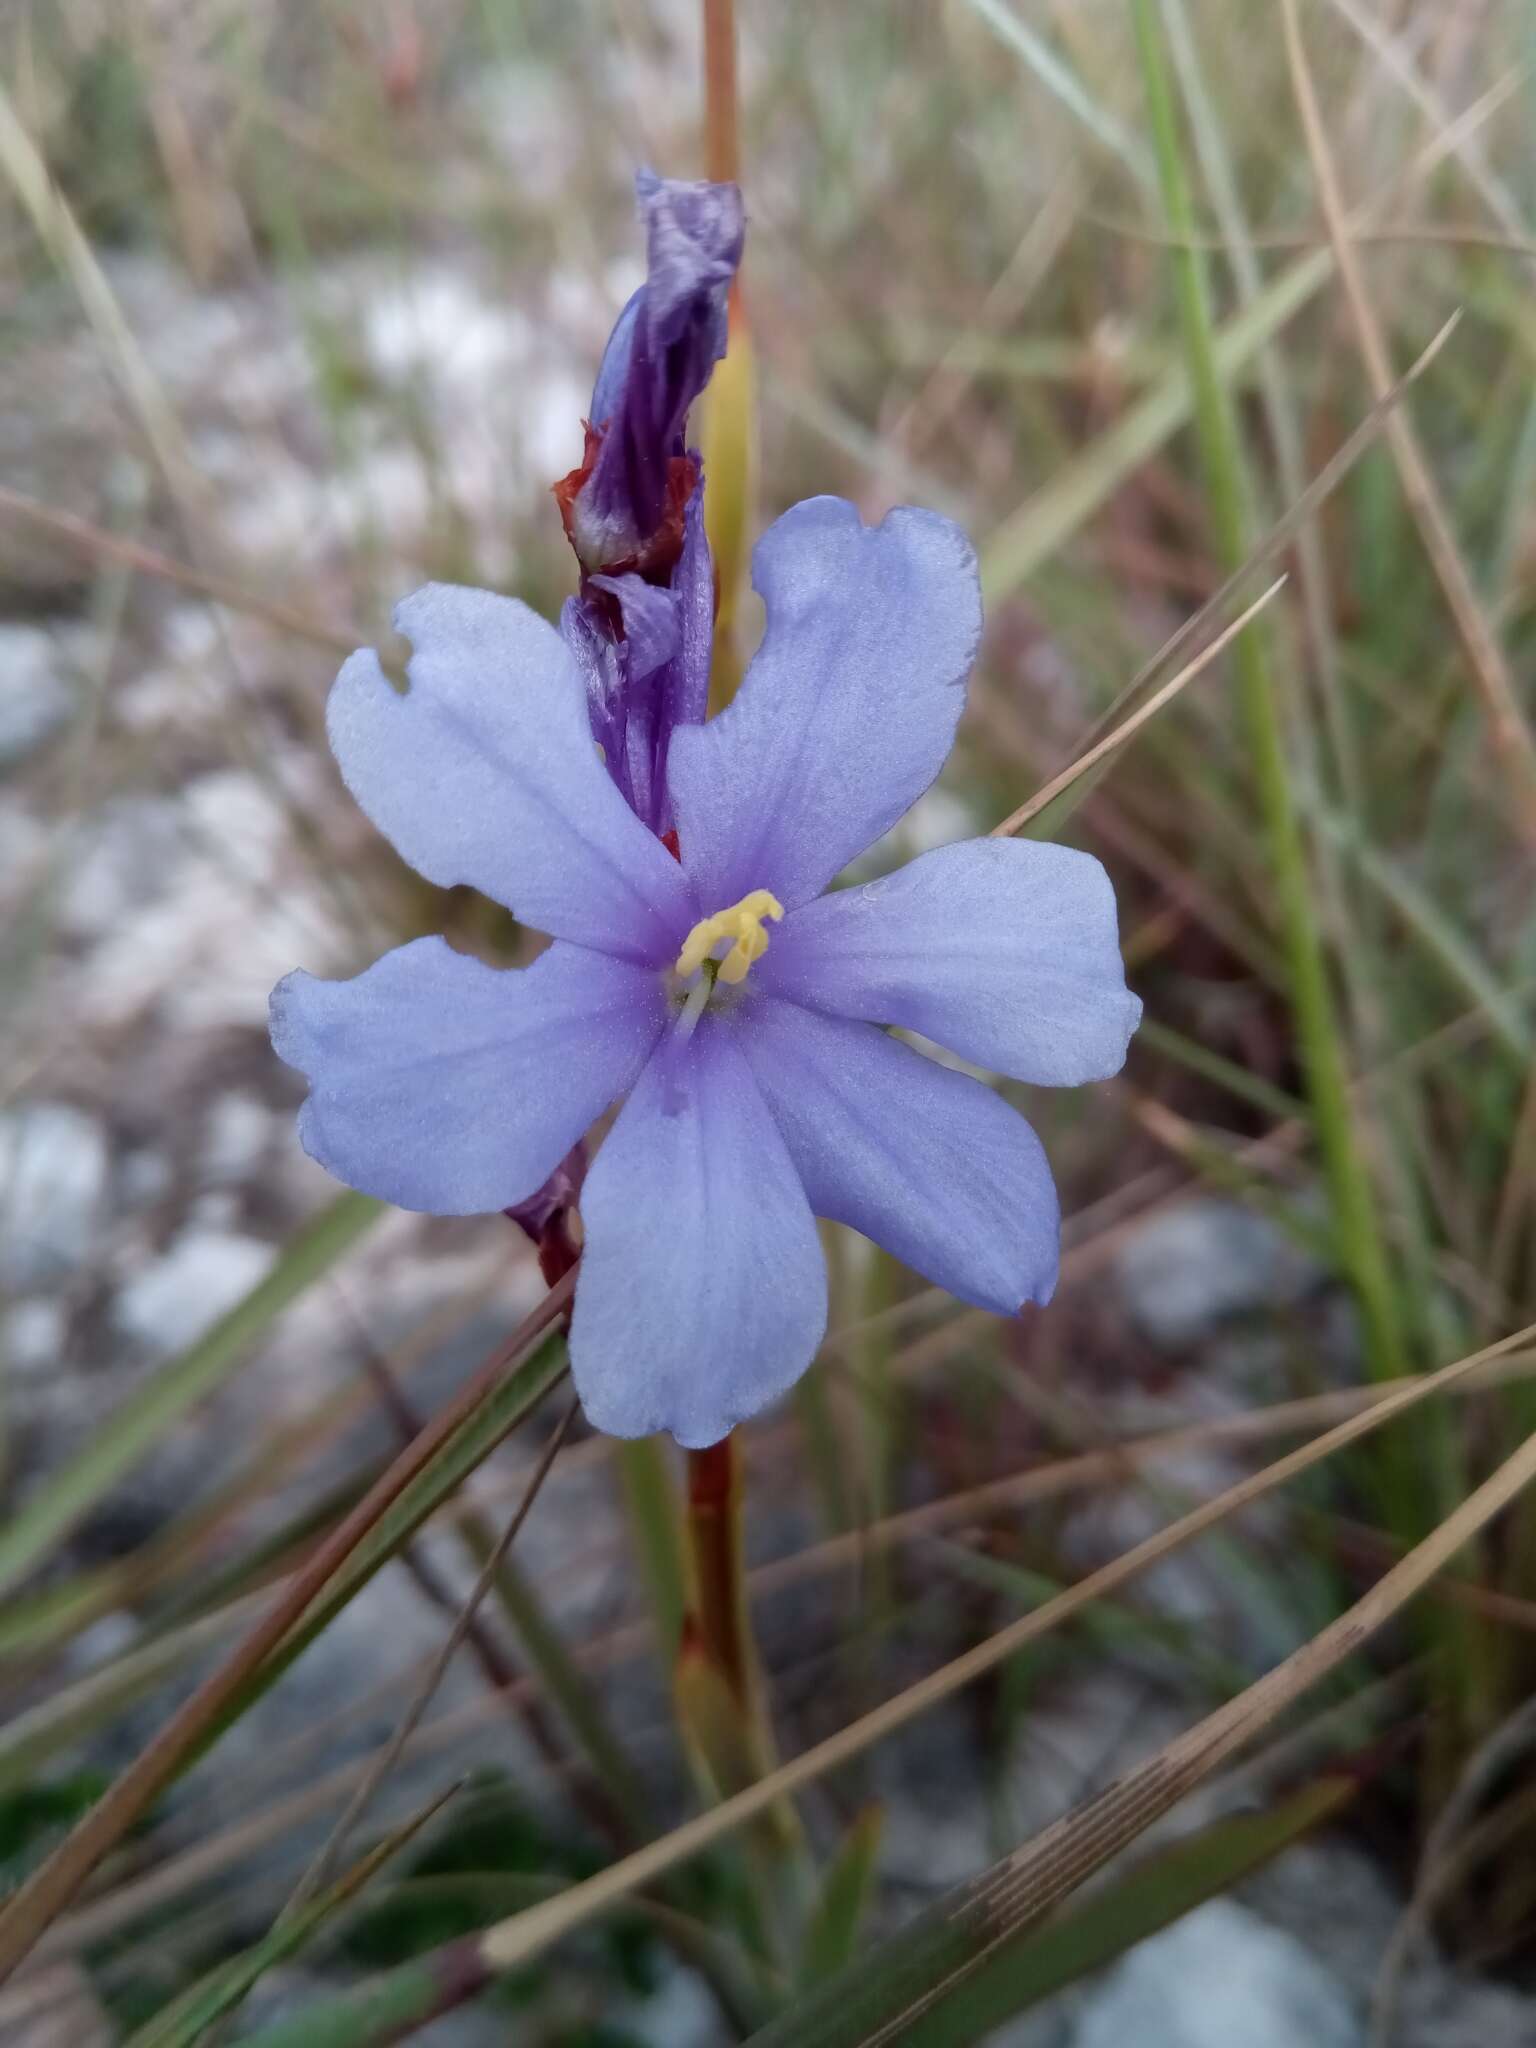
743	923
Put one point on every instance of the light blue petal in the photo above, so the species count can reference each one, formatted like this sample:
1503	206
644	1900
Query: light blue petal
703	1292
486	772
927	1162
1003	950
847	711
442	1084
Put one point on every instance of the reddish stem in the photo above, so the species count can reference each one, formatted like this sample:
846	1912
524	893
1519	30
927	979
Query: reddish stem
714	1534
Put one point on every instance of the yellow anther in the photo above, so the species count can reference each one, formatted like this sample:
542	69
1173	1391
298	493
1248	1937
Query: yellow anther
743	925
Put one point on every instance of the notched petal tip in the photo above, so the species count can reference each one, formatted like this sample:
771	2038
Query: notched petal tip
630	1413
849	706
285	1019
483	772
462	618
1132	1011
942	567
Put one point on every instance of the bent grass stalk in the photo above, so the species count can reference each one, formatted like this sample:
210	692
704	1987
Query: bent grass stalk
184	1736
188	1378
1514	748
1129	727
1119	1464
422	1990
1020	1890
320	1872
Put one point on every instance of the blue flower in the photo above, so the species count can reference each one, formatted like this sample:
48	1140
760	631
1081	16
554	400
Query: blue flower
734	1006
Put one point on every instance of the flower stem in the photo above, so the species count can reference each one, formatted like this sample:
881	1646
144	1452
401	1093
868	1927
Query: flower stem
714	1553
726	432
722	152
721	1703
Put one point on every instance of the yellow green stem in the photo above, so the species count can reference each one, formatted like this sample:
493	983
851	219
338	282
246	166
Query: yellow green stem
1351	1196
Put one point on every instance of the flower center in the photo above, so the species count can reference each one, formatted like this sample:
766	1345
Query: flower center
742	926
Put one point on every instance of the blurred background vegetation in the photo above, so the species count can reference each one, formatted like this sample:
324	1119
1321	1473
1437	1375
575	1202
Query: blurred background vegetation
300	306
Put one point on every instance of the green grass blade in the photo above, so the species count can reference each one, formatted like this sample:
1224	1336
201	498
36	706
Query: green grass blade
650	1498
1058	510
1199	1059
1443	940
1063	83
185	2023
835	1920
496	1417
1027	1970
71	1712
179	1384
391	2010
1352	1199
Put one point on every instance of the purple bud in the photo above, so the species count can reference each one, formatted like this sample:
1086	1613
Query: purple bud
623	508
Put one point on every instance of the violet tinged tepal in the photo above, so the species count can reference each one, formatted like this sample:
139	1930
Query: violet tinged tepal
623	506
640	627
733	1002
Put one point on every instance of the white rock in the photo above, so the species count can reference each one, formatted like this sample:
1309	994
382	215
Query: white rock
174	1299
438	322
521	118
53	1176
1217	1978
218	922
102	1641
35	698
217	1209
145	1176
132	849
1331	1897
191	635
23	849
234	1139
679	2013
1186	1271
33	1337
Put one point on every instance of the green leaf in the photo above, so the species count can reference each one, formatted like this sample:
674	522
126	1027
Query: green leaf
392	2008
181	1382
947	1979
184	2023
64	1717
1112	1625
834	1924
651	1500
